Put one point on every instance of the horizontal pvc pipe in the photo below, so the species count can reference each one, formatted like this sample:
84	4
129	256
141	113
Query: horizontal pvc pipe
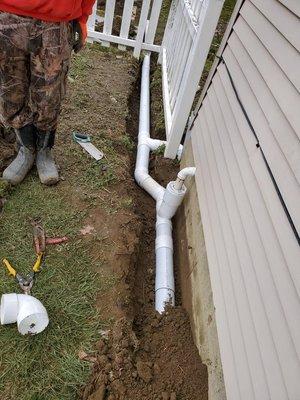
27	311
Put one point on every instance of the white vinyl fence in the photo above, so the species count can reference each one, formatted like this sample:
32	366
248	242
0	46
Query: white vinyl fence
187	39
146	28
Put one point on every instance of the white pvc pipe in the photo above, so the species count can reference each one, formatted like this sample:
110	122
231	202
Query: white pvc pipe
167	200
141	173
164	279
182	175
27	311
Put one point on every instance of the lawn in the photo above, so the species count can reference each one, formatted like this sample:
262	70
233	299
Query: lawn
50	366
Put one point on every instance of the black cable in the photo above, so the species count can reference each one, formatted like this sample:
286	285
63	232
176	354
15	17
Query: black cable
287	213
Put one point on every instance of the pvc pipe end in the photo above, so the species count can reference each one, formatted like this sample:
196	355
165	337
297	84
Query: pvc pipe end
9	308
163	298
33	324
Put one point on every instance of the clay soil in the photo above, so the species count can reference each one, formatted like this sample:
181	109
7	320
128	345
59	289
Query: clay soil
140	354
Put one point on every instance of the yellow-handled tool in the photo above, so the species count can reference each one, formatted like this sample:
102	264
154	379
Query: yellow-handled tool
38	263
9	267
25	282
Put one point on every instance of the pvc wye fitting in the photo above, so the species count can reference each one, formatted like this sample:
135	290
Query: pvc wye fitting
27	311
171	200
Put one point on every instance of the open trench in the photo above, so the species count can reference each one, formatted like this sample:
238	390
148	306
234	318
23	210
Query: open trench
147	355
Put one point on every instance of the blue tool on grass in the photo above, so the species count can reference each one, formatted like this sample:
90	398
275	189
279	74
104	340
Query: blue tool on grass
86	143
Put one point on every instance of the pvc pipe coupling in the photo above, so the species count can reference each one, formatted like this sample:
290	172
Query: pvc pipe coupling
27	311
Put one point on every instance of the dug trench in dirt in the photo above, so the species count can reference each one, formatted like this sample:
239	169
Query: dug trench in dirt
98	287
147	355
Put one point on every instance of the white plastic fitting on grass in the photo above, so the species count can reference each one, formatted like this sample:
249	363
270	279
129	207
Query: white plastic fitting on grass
27	311
167	200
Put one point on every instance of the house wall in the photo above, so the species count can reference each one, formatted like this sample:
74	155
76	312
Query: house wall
196	292
239	265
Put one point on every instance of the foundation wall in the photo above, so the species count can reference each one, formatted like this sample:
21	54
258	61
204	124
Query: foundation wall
194	280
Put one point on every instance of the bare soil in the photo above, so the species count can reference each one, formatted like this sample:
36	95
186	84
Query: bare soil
141	354
145	355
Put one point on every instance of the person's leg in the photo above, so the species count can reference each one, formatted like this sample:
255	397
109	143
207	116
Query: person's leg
14	92
49	68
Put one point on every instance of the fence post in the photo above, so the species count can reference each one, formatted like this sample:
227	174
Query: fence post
211	11
142	28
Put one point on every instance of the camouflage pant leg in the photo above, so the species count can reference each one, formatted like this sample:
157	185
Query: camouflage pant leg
49	67
34	60
14	71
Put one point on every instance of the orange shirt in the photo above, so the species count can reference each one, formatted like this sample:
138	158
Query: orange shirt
49	10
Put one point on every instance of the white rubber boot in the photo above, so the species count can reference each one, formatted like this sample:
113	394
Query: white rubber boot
22	164
45	163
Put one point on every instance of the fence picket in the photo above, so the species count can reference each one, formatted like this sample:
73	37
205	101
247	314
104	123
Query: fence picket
209	12
126	21
168	30
108	19
141	28
153	22
92	22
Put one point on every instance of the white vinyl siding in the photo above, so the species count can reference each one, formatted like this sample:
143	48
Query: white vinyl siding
253	254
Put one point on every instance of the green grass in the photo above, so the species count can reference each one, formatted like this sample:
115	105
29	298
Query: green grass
160	151
4	188
47	366
90	174
127	142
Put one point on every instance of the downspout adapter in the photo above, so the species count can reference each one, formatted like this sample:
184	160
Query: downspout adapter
25	310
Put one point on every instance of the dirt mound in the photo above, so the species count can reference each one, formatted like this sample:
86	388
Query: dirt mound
160	364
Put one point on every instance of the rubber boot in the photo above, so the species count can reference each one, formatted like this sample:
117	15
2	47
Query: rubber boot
22	164
45	163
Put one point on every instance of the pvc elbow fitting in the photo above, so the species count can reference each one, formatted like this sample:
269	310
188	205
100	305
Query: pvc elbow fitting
185	172
182	175
27	311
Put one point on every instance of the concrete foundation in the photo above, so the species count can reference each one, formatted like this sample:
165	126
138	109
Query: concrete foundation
195	283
